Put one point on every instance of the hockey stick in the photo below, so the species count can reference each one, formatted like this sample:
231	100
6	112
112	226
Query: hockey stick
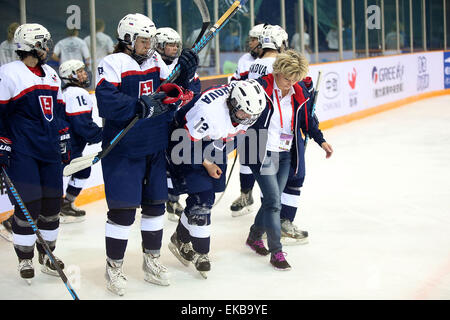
205	17
44	244
77	165
319	77
228	180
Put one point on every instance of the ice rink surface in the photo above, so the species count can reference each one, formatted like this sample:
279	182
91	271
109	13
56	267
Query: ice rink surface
378	214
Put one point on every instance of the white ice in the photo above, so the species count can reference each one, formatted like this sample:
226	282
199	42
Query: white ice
378	214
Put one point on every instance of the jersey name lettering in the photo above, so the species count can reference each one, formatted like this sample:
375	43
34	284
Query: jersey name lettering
214	94
259	69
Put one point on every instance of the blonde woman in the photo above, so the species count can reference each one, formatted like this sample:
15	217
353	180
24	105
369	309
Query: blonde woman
280	148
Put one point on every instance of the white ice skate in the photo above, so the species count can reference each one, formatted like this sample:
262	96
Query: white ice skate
291	235
116	279
154	271
26	270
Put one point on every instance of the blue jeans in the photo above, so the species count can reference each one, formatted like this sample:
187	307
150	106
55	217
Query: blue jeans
271	178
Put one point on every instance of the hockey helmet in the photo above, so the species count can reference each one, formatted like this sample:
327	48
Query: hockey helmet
248	96
68	72
273	37
165	36
136	25
32	36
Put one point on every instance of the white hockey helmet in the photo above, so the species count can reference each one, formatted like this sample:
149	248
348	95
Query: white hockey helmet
273	37
256	31
135	25
168	35
248	96
68	72
32	36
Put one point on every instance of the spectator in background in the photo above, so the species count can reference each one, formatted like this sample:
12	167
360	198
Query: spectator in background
391	38
332	37
8	47
71	48
295	42
105	44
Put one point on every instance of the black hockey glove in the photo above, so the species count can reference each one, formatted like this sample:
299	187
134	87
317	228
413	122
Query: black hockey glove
188	62
65	145
5	151
151	106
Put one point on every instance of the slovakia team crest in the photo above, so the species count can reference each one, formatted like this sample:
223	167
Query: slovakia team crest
46	103
145	88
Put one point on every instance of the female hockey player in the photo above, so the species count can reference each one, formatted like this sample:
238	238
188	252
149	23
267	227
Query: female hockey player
83	129
214	118
272	40
33	141
134	171
169	46
285	119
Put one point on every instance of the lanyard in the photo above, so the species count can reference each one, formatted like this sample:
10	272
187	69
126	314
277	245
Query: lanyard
281	114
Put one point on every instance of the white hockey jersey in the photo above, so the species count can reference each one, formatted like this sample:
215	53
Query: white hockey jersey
261	67
31	110
243	67
210	117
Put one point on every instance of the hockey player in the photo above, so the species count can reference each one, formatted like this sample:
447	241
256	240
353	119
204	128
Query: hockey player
34	139
79	106
169	46
216	117
284	121
254	51
272	40
134	171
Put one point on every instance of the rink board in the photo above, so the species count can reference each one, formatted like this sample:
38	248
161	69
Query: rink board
349	90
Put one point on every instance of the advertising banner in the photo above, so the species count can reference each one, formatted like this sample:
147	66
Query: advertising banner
347	87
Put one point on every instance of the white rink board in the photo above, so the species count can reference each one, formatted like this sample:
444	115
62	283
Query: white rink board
346	87
410	74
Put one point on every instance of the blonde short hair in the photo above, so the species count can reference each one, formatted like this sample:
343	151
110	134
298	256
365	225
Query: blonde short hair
291	64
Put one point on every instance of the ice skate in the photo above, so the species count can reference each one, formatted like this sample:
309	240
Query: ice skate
154	271
182	251
257	246
26	270
242	205
48	267
202	264
279	262
291	235
116	279
71	213
174	210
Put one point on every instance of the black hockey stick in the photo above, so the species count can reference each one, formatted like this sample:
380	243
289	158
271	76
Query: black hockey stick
316	94
41	240
228	180
81	163
205	18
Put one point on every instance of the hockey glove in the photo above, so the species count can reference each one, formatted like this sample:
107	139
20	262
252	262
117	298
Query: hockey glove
65	145
151	106
5	151
176	96
188	62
